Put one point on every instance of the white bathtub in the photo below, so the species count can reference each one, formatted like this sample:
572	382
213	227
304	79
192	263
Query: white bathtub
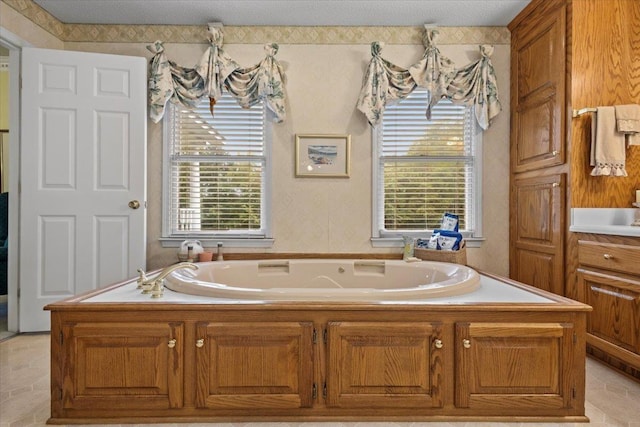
325	280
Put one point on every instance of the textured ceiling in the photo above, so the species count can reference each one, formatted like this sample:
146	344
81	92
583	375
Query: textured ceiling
445	13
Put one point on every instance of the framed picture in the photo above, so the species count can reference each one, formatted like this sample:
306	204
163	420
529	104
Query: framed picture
323	156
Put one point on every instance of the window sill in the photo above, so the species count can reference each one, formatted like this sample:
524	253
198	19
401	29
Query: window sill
397	242
175	242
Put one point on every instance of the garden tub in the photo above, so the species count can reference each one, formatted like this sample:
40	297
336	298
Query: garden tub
325	280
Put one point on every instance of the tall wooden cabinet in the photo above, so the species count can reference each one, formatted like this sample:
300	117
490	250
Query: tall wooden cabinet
567	55
538	149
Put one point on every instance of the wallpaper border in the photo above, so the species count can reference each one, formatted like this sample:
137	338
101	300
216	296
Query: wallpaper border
252	34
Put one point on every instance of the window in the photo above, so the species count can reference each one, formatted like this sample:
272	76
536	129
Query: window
217	170
424	168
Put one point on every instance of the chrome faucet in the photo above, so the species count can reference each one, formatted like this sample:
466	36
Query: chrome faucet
155	285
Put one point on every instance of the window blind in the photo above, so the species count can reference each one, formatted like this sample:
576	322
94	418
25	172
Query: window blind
426	167
217	169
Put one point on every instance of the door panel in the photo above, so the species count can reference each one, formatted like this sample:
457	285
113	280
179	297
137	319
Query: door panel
254	365
369	362
83	158
536	237
486	376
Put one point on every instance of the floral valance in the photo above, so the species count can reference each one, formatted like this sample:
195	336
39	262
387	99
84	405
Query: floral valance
475	84
215	72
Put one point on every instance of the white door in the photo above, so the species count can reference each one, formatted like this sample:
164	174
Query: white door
83	159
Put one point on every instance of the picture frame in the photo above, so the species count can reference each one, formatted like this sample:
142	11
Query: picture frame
323	156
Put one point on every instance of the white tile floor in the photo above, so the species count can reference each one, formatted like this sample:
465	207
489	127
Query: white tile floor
612	399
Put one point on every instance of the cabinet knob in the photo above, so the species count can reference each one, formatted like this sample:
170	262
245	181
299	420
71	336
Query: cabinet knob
437	343
555	184
200	343
555	153
172	343
608	256
466	343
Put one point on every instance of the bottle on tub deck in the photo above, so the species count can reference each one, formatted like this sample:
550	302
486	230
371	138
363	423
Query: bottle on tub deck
220	257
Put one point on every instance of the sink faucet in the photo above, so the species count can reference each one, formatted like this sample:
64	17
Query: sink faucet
154	285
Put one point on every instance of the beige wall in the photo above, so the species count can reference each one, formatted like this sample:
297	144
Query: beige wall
323	82
334	215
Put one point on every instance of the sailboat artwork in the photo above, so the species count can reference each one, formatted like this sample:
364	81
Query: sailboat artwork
322	154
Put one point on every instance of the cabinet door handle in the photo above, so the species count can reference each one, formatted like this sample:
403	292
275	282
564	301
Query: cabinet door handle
555	153
200	343
437	343
555	184
466	343
171	343
608	256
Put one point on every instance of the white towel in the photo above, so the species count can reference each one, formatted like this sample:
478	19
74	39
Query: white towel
607	145
628	122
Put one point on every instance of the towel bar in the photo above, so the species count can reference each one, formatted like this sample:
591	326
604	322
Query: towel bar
582	111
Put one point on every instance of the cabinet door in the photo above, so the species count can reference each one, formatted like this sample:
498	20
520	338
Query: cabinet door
616	310
517	367
112	367
254	365
538	91
376	365
537	240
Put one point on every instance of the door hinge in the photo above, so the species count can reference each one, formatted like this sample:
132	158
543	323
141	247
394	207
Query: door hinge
324	390
314	338
61	338
324	336
575	338
314	392
573	393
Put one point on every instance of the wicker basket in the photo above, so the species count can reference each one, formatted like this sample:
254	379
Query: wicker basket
455	257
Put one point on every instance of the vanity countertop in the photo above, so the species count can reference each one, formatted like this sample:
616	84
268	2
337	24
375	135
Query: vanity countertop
616	221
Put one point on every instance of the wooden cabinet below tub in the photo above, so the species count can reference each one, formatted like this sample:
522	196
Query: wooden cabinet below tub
486	377
162	361
608	280
254	365
113	366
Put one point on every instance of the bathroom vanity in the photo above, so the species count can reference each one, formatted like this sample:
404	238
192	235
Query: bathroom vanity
505	352
608	279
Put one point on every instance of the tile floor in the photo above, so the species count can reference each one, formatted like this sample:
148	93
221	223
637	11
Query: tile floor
612	399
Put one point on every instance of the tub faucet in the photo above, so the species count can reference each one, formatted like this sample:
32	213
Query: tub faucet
154	285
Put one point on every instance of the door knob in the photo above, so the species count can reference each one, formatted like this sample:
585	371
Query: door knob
134	204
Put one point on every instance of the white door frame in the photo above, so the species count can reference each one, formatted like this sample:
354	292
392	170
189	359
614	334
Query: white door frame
14	44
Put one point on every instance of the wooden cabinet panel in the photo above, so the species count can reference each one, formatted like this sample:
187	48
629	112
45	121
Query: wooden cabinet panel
536	236
117	366
487	378
384	365
610	256
616	308
538	91
537	269
254	365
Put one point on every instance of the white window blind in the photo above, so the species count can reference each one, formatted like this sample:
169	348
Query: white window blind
425	167
216	176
